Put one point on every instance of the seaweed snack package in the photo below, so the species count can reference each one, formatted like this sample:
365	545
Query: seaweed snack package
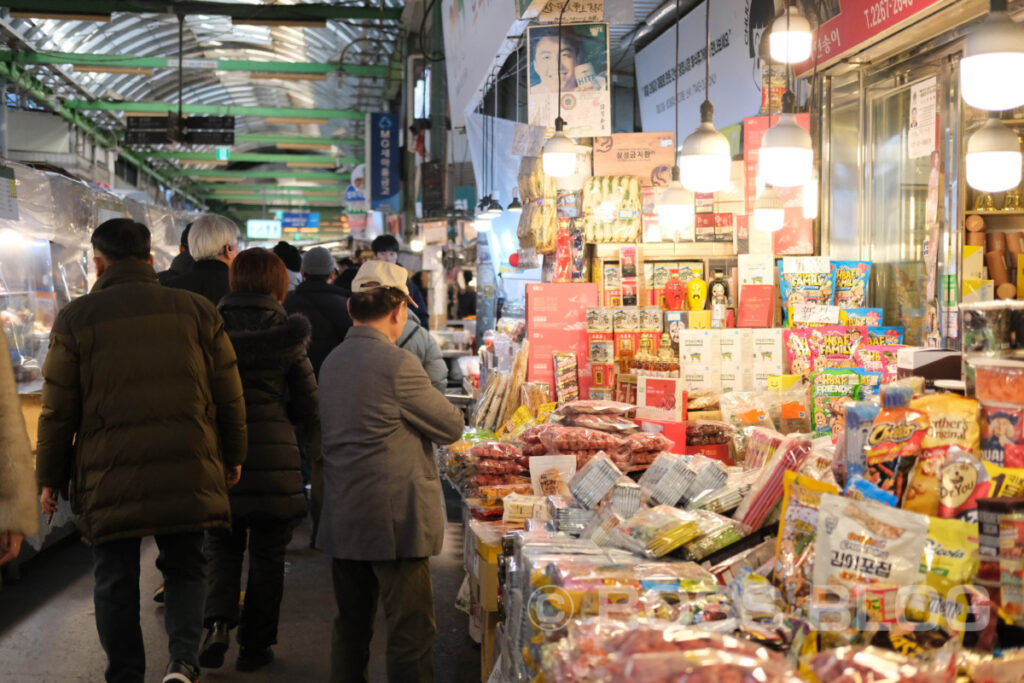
884	335
794	549
861	542
798	351
965	479
805	280
878	358
950	559
829	390
871	317
894	442
833	346
851	283
952	421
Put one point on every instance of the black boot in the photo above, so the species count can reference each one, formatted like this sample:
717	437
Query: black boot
215	645
252	658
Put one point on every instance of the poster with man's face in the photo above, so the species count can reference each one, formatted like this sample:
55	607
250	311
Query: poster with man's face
578	64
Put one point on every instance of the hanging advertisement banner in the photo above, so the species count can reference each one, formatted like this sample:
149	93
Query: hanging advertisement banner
735	75
384	161
583	71
923	122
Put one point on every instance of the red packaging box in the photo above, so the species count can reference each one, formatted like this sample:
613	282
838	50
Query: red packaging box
626	344
718	451
603	374
673	431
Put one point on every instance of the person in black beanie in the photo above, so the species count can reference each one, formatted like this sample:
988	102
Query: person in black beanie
292	261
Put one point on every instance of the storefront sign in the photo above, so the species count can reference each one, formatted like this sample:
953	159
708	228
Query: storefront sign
648	156
384	162
736	28
299	220
852	25
584	74
576	12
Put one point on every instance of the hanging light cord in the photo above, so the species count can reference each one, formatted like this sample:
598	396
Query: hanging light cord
707	110
675	73
559	123
788	98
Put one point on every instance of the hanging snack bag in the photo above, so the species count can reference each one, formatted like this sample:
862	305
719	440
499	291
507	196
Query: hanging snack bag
833	346
952	421
794	549
798	351
851	282
871	317
895	441
829	390
950	559
884	335
805	280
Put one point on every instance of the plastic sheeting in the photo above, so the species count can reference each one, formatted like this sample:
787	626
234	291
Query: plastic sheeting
502	168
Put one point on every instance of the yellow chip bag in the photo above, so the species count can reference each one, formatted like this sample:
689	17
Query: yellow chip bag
950	559
953	421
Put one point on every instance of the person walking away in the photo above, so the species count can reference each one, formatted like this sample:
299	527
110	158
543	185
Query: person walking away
142	410
422	344
292	261
19	515
213	243
385	248
382	517
323	304
182	263
280	393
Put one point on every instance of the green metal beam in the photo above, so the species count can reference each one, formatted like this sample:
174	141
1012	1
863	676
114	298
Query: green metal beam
245	157
276	197
41	94
275	138
285	207
268	13
214	109
297	175
259	188
301	68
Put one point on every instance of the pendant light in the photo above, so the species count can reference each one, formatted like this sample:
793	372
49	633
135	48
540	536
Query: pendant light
493	207
786	156
559	156
706	160
675	206
515	206
789	40
993	62
769	213
993	157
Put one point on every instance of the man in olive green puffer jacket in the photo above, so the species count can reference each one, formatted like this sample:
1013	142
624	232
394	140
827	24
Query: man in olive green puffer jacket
143	415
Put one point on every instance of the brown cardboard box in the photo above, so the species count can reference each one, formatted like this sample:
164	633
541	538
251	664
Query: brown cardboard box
648	156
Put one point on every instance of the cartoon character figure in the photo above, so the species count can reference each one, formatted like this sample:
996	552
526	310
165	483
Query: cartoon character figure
674	294
696	293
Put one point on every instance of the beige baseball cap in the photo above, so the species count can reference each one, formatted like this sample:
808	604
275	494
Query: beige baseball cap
374	274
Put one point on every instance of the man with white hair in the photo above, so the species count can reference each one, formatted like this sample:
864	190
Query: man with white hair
213	243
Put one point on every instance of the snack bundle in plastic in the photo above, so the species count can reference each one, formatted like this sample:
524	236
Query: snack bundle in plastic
594	481
657	531
766	492
798	527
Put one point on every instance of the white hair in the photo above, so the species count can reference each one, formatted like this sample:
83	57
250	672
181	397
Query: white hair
209	235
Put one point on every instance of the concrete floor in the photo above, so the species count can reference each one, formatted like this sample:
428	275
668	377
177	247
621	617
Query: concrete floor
48	633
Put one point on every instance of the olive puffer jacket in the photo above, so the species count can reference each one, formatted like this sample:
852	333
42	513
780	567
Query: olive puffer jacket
142	408
280	395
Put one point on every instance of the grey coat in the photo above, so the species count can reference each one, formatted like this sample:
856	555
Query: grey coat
417	341
382	492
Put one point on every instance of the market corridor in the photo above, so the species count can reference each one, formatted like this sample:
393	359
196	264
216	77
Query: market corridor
48	633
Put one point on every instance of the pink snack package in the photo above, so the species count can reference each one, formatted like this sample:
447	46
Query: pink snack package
833	346
798	351
878	358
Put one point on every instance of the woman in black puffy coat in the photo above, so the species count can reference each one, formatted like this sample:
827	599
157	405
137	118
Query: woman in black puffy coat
269	500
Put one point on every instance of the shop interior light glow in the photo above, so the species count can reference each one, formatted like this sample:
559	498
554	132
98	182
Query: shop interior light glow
790	38
786	156
559	156
993	62
810	194
993	158
675	211
416	245
769	213
705	161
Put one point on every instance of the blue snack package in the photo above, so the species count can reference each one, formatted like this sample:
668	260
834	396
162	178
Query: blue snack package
860	316
851	283
859	417
805	280
878	336
870	383
860	488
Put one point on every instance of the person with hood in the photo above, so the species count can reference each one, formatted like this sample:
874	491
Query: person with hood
182	263
422	344
19	513
280	394
213	243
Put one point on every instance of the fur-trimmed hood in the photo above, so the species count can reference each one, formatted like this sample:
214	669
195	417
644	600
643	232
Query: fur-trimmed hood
263	334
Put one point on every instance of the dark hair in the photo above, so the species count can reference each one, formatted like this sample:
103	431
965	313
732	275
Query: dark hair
121	238
344	280
384	243
374	304
290	255
260	272
184	237
345	263
315	278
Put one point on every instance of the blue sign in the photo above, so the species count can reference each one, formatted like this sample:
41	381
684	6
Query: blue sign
258	229
384	162
354	195
290	219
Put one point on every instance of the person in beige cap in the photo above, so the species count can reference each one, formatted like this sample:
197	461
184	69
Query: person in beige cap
382	518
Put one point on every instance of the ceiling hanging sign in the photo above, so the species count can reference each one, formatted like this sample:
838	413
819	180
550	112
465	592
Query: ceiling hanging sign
384	160
583	72
576	12
852	25
735	77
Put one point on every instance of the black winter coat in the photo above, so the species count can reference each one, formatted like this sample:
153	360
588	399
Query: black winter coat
208	277
326	308
181	264
280	394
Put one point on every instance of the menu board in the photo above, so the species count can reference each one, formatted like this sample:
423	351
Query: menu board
556	320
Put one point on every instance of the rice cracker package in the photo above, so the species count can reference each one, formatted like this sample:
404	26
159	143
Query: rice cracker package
894	442
851	282
830	389
794	549
950	559
952	421
833	346
805	280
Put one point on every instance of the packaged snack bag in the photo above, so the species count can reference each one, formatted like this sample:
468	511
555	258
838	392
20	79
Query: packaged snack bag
805	280
858	419
952	421
833	346
766	491
860	316
1002	433
870	383
655	532
885	335
859	488
829	389
950	559
878	358
965	479
894	441
798	351
851	282
794	549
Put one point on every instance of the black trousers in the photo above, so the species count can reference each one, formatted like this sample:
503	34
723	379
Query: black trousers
225	550
116	595
404	587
